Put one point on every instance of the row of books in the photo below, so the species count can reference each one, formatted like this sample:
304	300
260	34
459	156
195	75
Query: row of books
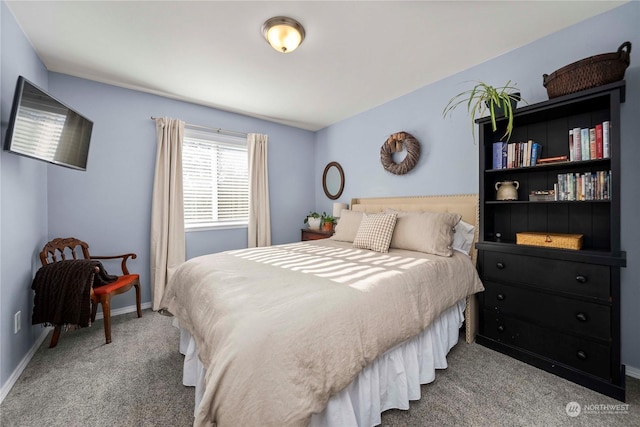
589	143
586	186
515	154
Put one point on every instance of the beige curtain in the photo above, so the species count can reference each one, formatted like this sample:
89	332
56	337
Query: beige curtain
167	214
259	232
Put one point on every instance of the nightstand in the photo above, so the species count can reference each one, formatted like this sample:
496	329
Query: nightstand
308	234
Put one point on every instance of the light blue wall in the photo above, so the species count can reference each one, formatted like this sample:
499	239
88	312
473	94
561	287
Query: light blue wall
109	205
449	161
23	203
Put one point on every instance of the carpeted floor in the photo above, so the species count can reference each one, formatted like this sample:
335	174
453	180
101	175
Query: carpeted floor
136	381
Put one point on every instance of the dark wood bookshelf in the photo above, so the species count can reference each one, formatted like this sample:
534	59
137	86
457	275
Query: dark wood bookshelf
557	309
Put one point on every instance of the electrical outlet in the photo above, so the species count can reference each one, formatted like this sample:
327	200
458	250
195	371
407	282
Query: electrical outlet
17	322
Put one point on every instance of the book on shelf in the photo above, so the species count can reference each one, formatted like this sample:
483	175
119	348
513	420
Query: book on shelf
498	147
589	143
536	150
583	186
584	139
592	144
605	140
599	150
572	148
577	145
518	154
513	155
542	196
553	159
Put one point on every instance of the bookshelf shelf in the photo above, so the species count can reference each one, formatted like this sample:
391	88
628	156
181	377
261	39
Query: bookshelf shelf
553	202
532	293
554	165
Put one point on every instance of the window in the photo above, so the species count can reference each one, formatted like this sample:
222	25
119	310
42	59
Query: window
216	179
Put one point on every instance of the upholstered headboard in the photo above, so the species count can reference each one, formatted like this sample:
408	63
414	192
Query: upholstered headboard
464	204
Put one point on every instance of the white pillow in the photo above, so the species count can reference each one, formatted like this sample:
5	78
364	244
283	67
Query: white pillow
429	232
347	226
463	236
375	232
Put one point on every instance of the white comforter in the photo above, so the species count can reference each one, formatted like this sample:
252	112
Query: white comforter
281	329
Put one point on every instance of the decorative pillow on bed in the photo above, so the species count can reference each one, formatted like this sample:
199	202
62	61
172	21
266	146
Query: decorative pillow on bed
375	232
347	226
463	237
429	232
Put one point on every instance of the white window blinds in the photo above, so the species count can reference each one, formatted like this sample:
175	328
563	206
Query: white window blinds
216	179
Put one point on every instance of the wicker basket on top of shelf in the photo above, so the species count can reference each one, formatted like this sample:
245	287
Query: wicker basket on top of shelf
588	73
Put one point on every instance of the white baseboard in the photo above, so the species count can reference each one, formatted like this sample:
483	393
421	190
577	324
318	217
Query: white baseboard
119	311
6	388
632	372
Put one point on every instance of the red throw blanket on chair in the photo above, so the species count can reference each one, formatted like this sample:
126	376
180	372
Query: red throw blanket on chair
63	292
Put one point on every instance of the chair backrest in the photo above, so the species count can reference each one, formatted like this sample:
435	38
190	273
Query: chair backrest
61	248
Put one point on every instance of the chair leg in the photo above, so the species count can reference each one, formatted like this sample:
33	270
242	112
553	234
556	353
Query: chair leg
94	310
105	300
55	337
137	285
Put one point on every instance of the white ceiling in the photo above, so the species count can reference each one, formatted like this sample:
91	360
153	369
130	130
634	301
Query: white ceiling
356	54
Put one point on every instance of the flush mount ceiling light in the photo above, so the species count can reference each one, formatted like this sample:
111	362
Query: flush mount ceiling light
283	34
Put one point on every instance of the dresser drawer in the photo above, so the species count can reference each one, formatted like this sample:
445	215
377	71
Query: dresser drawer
577	278
553	311
579	353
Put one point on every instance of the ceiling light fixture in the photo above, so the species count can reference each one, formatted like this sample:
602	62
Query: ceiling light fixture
283	34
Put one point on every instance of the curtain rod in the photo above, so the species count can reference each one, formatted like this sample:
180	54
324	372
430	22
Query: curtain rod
218	130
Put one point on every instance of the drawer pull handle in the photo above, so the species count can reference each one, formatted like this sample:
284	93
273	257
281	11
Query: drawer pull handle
581	317
582	279
500	265
500	328
581	355
500	297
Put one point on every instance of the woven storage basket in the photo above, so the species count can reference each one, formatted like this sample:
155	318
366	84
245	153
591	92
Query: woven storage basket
550	240
587	73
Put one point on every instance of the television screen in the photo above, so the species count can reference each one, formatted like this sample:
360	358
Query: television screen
44	128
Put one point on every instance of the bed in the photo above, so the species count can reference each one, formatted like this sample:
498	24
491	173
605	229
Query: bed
328	332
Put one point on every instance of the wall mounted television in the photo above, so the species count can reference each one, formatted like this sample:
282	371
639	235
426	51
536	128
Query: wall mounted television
43	128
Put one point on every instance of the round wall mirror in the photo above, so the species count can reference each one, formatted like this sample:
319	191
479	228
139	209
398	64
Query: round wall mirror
333	180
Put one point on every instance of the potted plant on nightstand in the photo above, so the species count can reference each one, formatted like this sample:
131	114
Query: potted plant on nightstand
482	98
314	220
327	222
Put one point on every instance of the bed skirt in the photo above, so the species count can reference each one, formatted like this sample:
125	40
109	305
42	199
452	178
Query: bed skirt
390	382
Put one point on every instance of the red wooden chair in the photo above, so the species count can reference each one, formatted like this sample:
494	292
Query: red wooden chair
58	250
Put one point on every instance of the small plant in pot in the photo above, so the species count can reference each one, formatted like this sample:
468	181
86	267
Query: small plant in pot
314	220
327	222
482	98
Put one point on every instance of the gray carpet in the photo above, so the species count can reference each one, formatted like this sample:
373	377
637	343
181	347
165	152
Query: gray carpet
136	381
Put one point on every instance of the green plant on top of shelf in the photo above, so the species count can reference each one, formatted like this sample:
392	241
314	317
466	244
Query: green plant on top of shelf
482	98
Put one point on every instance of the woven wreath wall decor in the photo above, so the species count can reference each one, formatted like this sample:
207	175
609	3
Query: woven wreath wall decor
395	144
